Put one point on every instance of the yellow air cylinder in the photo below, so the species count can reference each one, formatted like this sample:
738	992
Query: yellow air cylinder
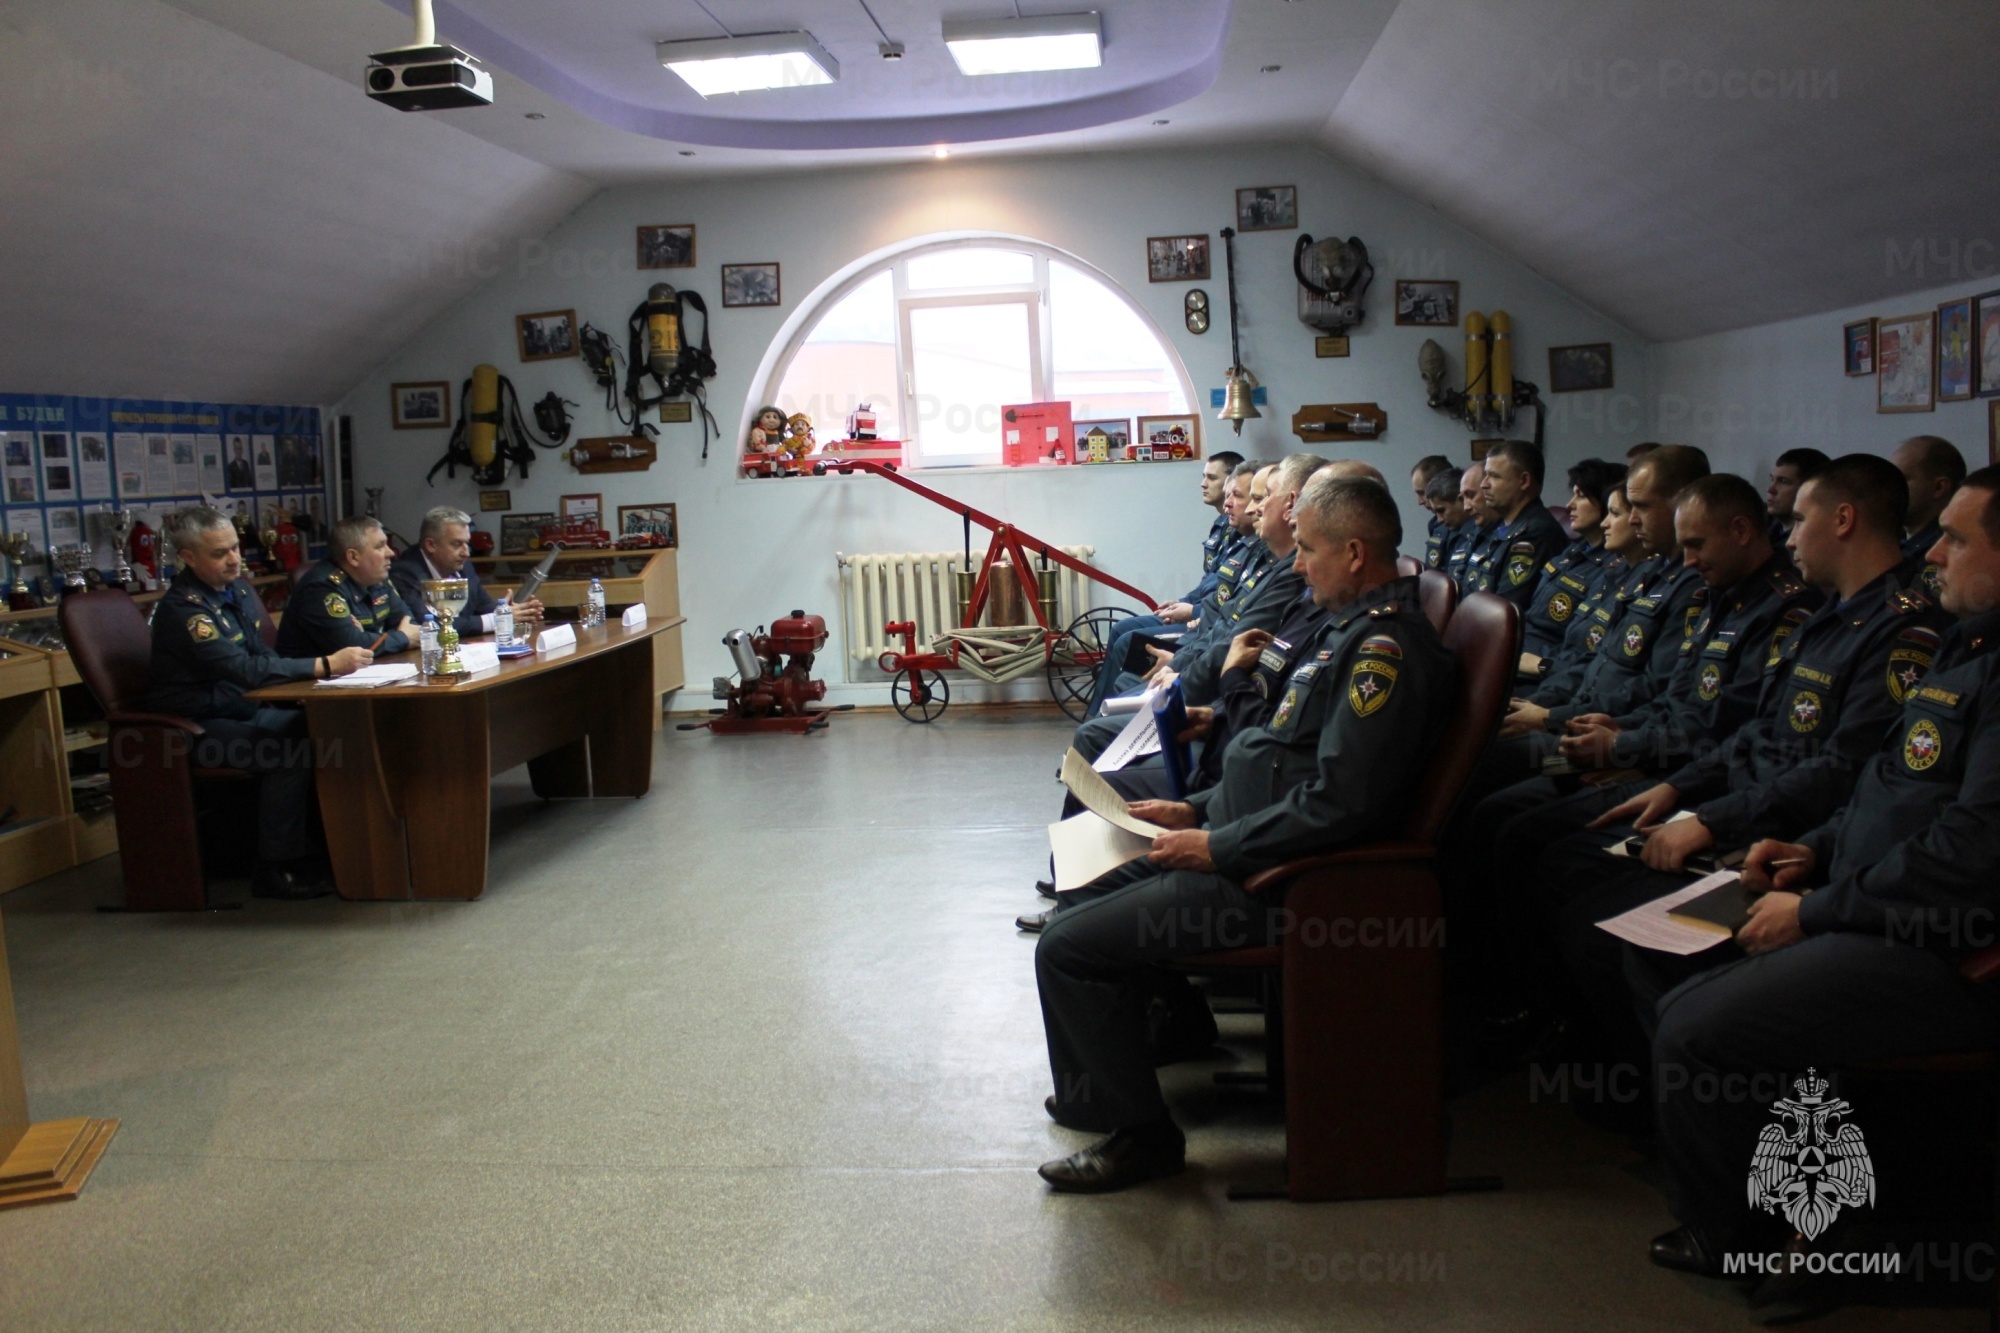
1503	368
484	414
1477	382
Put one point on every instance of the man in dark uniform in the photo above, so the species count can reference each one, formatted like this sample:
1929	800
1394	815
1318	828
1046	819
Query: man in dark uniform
1436	532
1350	737
1933	469
443	551
1852	949
1527	536
1794	468
208	651
1832	690
1566	578
1478	525
1448	519
347	600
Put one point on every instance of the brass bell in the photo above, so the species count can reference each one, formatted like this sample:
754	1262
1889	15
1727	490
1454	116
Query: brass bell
1238	402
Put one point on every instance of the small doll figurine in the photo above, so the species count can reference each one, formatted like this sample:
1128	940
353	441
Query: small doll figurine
768	432
799	436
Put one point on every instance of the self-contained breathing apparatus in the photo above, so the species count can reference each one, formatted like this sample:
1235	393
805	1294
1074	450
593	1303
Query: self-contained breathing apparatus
490	433
658	345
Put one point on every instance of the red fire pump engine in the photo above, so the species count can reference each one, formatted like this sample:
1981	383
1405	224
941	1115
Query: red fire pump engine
768	696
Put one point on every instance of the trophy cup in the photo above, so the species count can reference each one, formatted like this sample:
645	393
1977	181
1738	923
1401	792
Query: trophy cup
70	561
269	537
448	597
20	597
121	540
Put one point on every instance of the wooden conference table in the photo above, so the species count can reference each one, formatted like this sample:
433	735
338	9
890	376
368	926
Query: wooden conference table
405	770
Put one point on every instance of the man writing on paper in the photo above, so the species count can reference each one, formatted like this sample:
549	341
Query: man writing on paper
1855	944
444	551
208	651
1351	734
346	600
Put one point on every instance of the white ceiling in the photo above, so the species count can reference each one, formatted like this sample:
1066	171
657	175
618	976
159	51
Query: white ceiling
199	201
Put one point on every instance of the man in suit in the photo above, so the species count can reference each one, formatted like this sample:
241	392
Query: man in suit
444	551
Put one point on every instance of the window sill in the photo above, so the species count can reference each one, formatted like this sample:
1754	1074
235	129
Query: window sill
976	470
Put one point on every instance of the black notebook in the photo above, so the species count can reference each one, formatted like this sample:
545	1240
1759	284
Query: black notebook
1726	905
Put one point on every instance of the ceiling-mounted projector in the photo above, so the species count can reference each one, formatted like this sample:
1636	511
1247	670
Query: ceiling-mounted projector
427	75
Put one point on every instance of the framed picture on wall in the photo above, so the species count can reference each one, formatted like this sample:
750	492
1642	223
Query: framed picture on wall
571	507
522	533
1428	304
493	502
1578	368
667	247
1177	258
1101	441
1159	439
546	335
649	521
1906	363
1858	339
1986	342
1954	350
424	405
1267	208
750	284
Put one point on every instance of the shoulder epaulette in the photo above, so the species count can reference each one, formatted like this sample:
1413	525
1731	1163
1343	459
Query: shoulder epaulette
1908	601
1787	583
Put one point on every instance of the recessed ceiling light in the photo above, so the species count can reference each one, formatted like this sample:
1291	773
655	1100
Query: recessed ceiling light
940	152
687	152
1162	122
1022	46
1270	69
717	65
533	115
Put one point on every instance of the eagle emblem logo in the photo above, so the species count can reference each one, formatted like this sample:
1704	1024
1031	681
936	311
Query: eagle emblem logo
1560	607
1635	640
1711	682
1812	1162
336	606
203	629
1805	711
1923	746
1593	638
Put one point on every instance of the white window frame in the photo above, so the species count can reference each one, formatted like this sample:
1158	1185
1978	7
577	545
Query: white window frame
784	348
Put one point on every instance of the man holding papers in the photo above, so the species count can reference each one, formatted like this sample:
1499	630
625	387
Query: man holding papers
208	652
1351	733
1853	947
346	600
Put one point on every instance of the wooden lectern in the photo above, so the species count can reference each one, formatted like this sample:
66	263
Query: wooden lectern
46	1162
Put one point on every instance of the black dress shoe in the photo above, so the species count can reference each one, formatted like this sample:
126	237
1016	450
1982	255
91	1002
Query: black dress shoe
1128	1157
1055	1113
1046	888
290	883
1688	1250
1032	922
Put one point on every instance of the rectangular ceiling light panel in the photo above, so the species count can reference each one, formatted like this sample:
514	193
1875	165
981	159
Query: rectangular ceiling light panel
714	66
1022	46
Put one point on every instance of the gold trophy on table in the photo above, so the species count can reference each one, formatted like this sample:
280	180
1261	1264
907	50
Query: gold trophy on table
20	597
447	598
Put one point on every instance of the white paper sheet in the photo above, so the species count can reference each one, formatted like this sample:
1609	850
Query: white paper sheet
479	657
1140	738
555	636
1086	847
1098	795
1142	702
634	617
1649	926
370	677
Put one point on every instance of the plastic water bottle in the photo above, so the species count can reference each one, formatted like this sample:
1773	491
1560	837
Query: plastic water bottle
429	644
595	603
503	622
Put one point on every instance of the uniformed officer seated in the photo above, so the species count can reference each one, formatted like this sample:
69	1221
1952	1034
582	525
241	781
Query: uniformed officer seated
1479	524
208	651
1448	520
346	600
1851	953
444	551
1337	762
1525	537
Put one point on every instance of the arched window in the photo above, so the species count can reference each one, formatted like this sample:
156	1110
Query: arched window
941	334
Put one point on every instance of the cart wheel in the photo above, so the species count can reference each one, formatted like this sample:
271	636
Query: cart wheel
923	701
1077	656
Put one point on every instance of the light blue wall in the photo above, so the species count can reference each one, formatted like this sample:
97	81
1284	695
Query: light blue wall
752	550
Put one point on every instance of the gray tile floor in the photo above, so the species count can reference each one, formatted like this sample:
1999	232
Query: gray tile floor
759	1051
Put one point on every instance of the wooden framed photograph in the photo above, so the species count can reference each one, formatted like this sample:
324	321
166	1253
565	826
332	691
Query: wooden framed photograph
1159	439
1427	303
1332	344
421	405
1906	363
493	502
546	335
1580	367
1267	208
1858	340
670	246
1101	441
1177	258
1954	350
521	534
750	284
1986	342
676	412
649	521
581	506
